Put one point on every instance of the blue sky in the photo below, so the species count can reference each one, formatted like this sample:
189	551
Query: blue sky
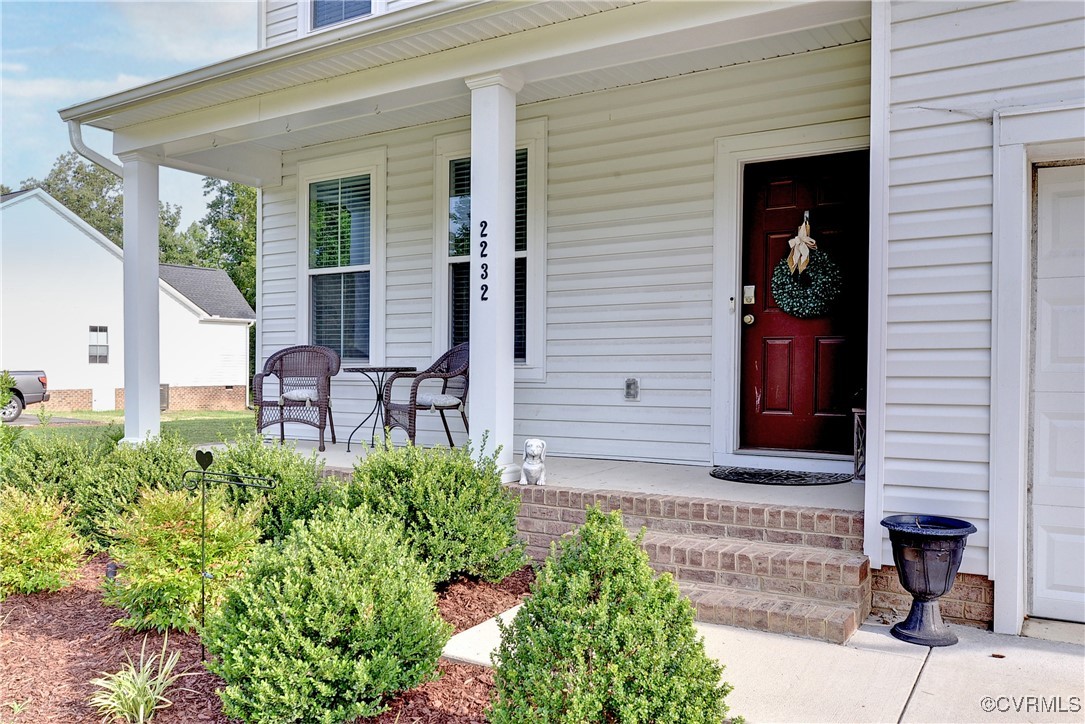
56	54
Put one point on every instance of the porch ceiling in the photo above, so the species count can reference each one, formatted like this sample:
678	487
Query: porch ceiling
234	120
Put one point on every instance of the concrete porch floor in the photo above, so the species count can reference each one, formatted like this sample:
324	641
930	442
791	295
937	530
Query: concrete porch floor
638	477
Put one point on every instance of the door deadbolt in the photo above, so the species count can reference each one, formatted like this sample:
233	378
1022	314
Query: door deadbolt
747	319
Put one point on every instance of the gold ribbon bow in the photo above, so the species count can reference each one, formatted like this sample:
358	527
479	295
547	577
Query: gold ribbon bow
801	245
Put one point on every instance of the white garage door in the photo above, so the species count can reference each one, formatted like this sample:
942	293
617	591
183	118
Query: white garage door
1058	397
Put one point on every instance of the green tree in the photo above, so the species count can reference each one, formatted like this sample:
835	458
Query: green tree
175	246
94	194
4	189
231	233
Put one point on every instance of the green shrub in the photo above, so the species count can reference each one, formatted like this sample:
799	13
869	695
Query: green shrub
107	488
601	640
9	435
48	462
326	625
157	549
39	550
453	510
299	490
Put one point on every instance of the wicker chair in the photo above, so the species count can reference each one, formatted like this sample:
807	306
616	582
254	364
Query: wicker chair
303	390
452	370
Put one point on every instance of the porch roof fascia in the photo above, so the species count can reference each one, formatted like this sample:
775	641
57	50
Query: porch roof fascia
228	132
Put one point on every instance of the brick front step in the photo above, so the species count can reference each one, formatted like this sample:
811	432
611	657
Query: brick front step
811	574
786	569
773	613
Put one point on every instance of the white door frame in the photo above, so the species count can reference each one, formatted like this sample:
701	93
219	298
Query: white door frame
1022	137
732	154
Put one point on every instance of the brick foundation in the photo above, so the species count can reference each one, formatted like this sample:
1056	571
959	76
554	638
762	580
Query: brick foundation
969	602
65	400
211	397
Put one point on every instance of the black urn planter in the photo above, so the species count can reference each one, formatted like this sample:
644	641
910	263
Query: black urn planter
927	550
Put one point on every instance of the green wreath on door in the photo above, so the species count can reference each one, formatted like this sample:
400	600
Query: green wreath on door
807	282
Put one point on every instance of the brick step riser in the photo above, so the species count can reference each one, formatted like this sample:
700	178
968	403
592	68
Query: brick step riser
828	581
796	618
811	527
802	575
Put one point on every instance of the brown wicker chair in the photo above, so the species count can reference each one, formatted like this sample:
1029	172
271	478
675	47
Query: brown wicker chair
452	370
303	390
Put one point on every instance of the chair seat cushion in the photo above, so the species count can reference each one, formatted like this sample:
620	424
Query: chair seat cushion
301	395
429	399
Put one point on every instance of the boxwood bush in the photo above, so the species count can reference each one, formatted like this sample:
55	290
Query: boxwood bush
39	548
49	463
300	486
602	640
326	625
106	488
157	548
453	510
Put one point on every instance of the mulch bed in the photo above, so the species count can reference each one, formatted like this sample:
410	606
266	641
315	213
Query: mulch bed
53	644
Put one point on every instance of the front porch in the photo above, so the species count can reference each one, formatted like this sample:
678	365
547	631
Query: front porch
649	478
783	559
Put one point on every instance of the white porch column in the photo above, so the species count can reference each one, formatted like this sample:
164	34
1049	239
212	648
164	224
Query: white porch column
141	371
493	226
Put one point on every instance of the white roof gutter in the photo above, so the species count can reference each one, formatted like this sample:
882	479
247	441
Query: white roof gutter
75	133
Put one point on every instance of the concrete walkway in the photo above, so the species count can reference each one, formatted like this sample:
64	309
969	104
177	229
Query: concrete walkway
986	677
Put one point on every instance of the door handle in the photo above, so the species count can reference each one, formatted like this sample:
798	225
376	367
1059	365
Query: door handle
747	319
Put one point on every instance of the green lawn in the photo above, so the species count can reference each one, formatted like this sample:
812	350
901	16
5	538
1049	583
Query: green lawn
195	427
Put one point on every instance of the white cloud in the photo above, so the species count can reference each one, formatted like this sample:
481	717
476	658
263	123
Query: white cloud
12	68
193	32
66	89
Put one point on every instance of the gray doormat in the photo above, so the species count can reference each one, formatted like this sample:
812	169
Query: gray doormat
778	477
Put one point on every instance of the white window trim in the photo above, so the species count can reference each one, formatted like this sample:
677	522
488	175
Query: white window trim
530	134
305	17
375	163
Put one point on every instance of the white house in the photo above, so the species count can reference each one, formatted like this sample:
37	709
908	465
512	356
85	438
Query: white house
62	311
637	171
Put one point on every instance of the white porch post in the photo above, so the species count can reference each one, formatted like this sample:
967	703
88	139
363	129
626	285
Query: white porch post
141	370
493	224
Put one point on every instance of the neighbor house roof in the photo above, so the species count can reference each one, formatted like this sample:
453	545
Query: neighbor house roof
211	290
13	194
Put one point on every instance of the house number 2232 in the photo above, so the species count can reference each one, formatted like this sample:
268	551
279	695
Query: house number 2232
485	267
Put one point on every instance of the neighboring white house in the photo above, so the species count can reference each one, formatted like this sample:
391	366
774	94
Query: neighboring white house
636	171
62	311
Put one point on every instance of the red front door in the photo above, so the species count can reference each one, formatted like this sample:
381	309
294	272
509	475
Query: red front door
802	376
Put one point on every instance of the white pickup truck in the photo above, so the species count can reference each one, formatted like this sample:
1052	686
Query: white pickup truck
30	387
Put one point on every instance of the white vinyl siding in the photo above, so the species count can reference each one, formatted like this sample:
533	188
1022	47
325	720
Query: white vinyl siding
280	22
951	66
629	242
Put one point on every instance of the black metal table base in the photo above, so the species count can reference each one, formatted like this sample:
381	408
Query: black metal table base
377	377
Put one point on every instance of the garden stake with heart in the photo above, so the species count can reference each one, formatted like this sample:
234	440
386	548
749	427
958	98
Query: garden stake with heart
200	478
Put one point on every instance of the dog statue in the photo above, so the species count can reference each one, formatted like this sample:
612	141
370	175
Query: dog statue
533	472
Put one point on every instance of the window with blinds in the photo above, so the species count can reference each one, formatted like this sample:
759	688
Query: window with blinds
98	349
340	245
459	254
330	12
